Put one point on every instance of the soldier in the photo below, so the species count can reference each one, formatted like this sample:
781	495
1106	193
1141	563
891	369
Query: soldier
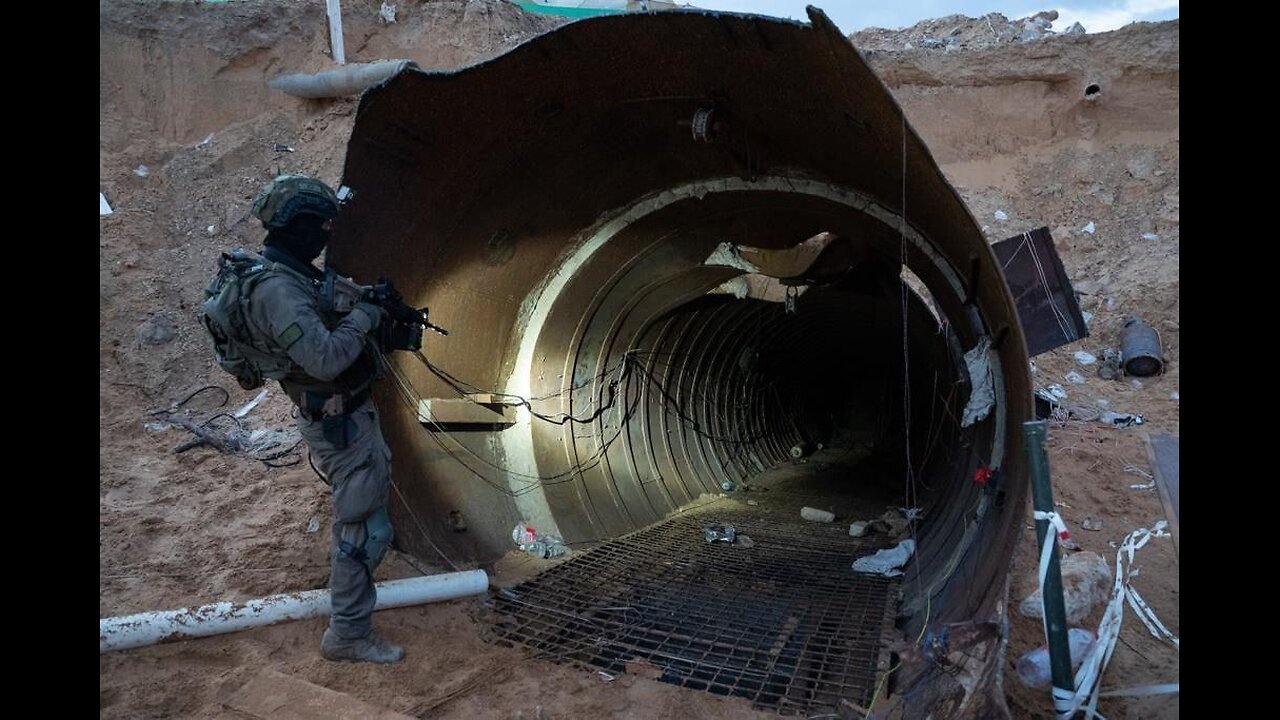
277	324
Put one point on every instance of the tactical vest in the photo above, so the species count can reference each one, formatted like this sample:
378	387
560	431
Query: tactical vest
252	357
224	313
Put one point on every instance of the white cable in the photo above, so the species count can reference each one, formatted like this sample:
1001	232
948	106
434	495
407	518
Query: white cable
1063	323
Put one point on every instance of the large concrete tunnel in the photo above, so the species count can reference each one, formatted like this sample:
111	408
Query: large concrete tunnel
686	232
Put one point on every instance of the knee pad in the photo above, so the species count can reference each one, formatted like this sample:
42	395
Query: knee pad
378	535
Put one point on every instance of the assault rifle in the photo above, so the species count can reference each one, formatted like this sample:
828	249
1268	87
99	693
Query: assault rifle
401	330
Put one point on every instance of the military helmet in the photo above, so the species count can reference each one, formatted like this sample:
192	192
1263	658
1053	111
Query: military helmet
288	196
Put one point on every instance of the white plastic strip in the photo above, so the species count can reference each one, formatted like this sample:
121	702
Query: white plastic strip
1063	698
249	406
1148	616
1143	690
1046	551
1067	703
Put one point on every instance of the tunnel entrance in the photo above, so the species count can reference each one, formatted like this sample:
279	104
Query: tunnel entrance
693	399
657	313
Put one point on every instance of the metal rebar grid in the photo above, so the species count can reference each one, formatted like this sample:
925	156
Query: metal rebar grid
780	619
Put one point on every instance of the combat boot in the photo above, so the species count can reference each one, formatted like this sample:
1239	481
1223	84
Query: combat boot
370	648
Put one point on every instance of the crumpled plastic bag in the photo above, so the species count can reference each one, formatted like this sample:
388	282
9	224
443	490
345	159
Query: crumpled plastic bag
887	561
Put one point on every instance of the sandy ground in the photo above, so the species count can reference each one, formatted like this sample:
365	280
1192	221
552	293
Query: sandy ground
183	94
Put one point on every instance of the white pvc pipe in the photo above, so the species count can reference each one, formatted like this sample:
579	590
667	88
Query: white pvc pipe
131	631
334	10
339	82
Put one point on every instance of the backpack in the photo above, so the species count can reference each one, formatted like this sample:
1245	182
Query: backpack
224	314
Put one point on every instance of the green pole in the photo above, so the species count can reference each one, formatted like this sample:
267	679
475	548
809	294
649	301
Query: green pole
1055	611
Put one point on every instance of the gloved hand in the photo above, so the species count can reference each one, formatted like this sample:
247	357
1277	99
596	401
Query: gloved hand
396	335
374	312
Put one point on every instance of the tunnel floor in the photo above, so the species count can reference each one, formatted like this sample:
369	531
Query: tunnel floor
780	619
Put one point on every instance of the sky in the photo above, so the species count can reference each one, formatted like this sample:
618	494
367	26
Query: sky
853	15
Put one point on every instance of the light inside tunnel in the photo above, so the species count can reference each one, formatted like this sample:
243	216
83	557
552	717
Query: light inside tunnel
717	388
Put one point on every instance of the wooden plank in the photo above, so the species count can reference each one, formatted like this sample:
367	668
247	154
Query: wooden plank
493	399
461	411
1162	451
272	695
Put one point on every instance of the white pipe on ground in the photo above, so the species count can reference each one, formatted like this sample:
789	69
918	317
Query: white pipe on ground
347	80
131	631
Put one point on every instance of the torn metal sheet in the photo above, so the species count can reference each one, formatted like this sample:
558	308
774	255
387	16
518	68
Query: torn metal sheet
727	255
758	287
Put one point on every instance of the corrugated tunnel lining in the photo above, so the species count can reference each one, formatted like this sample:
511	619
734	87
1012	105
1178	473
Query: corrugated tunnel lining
724	388
479	190
686	390
719	388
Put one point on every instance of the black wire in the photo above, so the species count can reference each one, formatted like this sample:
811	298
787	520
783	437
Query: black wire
576	470
928	673
579	467
626	357
696	425
464	388
458	385
535	480
291	450
312	463
297	459
226	396
233	419
693	423
280	454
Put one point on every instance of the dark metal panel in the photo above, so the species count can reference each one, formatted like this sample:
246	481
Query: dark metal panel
1047	306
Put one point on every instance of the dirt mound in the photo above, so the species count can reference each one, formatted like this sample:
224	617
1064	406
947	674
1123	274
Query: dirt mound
1079	134
960	32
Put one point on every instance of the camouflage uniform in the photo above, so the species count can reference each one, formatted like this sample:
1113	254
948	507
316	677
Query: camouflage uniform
322	356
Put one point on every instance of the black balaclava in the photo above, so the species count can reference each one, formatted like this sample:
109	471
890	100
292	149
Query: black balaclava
304	237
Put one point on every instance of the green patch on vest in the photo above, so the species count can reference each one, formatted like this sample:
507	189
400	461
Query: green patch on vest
289	336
